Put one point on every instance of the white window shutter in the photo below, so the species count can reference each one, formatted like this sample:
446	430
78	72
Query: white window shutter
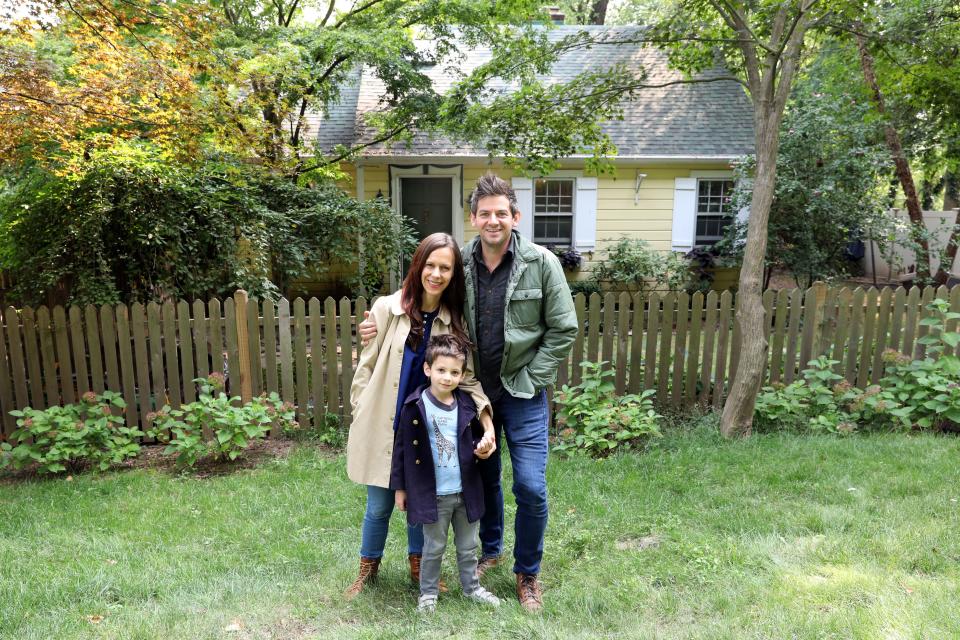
585	215
684	214
523	187
744	213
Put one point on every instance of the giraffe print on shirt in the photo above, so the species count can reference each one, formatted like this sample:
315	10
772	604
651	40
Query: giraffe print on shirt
445	447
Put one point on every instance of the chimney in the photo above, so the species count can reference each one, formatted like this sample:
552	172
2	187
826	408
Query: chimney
556	15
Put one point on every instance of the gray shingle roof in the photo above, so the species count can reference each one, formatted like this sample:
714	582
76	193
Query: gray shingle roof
687	120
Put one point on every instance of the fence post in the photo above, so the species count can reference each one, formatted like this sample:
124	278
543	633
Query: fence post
813	303
243	344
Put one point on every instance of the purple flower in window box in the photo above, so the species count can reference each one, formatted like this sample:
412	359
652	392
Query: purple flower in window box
570	258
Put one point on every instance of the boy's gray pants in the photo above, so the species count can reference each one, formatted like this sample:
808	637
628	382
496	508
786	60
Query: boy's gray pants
450	508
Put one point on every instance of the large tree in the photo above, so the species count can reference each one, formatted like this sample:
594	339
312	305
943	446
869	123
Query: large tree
762	41
75	76
249	78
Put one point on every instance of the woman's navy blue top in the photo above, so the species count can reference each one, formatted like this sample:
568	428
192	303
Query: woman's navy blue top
411	370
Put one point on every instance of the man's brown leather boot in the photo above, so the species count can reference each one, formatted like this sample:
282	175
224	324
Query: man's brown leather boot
529	592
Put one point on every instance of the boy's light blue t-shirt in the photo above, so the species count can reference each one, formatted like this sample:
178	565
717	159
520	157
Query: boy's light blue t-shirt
442	429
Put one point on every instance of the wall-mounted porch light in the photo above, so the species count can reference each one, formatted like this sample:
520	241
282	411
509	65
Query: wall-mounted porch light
636	187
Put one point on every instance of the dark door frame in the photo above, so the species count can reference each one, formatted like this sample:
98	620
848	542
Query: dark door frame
454	172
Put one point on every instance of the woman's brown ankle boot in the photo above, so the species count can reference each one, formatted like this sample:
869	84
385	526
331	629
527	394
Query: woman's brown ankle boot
368	573
414	559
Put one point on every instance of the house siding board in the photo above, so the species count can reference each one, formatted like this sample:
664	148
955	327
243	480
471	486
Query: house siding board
375	180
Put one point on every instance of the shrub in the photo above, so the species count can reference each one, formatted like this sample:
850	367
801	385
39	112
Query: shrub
136	227
594	420
921	393
830	160
928	388
815	401
326	429
232	426
631	264
586	287
69	437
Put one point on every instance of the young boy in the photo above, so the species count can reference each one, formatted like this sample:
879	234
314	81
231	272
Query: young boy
435	473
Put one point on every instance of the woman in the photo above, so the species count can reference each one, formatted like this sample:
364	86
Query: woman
430	302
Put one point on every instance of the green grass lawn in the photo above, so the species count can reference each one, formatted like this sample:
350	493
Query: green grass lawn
777	536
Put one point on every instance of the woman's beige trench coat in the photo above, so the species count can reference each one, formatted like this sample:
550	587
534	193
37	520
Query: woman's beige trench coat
373	393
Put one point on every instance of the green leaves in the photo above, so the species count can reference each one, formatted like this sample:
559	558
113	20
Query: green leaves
134	228
830	160
631	263
72	436
232	426
595	421
920	393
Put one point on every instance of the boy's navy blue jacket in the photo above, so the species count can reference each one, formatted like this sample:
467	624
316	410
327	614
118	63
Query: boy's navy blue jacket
413	459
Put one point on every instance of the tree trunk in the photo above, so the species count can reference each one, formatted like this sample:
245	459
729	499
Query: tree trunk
951	189
737	417
598	11
918	230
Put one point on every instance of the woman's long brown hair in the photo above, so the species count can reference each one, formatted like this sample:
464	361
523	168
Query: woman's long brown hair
453	297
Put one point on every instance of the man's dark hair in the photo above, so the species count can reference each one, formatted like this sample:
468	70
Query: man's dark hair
491	184
448	345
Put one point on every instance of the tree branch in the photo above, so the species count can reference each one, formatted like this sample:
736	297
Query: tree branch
293	8
349	152
96	31
738	23
70	105
295	136
279	7
791	56
354	12
132	32
326	17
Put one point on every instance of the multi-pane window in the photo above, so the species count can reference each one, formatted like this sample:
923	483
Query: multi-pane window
553	211
713	210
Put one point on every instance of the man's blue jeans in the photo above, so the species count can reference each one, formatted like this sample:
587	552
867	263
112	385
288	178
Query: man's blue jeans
525	424
376	523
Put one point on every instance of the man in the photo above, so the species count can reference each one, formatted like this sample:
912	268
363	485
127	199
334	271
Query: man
521	318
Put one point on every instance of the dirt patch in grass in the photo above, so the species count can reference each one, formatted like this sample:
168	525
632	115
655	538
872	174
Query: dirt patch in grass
640	543
259	452
283	628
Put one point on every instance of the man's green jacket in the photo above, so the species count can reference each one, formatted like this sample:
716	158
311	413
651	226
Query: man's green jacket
540	322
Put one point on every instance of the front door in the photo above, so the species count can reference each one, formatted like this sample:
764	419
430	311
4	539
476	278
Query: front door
428	202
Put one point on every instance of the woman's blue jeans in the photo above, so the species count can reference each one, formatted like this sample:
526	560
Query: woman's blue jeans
376	523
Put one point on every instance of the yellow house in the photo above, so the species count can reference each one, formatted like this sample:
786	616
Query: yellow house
672	174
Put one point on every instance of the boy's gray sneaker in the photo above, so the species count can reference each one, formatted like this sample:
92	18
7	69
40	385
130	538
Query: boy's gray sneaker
484	596
427	604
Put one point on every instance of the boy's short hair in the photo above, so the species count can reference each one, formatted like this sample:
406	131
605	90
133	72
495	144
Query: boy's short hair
445	345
